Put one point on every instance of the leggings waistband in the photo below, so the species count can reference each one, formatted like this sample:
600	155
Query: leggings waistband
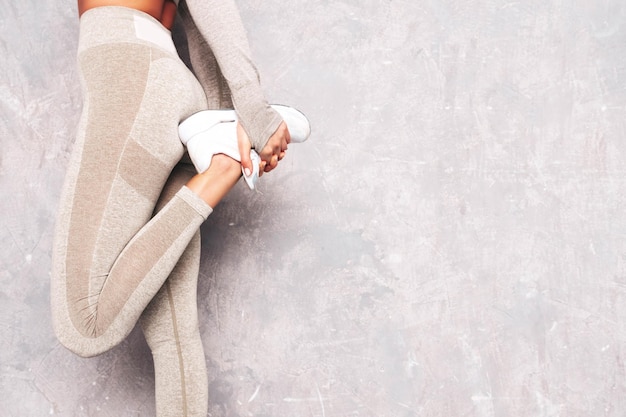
114	24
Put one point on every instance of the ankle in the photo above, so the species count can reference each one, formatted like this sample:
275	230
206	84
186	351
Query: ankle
224	165
214	183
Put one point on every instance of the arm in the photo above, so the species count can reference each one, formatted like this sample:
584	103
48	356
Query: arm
219	24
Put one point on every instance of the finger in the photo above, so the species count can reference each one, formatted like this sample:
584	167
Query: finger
243	142
272	164
246	163
267	152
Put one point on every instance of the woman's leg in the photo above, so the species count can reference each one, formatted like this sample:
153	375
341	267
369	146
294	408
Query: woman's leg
170	325
110	255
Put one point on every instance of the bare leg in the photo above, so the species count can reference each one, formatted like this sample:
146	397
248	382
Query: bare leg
214	183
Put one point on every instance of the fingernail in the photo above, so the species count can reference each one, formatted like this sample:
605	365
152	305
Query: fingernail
247	172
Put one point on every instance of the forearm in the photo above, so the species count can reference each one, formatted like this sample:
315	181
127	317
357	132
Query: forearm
219	23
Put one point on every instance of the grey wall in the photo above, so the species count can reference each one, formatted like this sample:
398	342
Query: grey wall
451	241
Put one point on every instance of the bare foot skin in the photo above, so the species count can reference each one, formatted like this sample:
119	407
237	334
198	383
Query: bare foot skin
214	183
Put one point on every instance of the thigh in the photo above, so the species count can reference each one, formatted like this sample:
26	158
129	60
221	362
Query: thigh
126	148
135	97
110	255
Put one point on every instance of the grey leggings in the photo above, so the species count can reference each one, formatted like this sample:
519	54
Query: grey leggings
127	237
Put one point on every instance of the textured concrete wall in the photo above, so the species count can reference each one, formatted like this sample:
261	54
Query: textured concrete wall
451	241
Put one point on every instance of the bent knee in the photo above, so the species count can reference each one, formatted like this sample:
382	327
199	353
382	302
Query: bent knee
79	348
84	347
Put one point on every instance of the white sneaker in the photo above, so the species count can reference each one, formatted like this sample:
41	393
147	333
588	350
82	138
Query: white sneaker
297	123
210	132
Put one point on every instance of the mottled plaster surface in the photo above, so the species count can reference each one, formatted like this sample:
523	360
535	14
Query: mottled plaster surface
450	242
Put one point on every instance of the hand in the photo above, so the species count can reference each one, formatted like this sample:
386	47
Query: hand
273	151
275	148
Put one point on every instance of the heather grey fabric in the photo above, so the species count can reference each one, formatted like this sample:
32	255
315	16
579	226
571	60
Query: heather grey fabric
112	253
216	35
170	325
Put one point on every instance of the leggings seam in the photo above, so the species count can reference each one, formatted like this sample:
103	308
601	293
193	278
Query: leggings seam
181	362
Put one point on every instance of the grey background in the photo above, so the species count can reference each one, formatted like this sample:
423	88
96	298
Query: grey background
450	242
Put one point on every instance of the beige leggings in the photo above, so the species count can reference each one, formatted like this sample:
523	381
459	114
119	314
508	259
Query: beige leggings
127	237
